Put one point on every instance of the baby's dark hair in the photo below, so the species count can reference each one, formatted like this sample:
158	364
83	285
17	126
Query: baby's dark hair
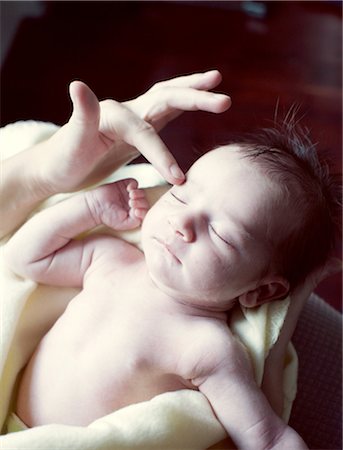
286	154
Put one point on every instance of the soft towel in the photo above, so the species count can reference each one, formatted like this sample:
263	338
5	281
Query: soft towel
174	420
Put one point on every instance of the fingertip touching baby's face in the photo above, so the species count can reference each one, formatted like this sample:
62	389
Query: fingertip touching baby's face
205	240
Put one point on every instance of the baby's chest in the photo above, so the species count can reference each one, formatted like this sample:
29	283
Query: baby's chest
117	330
124	332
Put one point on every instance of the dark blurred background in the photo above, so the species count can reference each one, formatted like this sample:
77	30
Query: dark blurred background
269	53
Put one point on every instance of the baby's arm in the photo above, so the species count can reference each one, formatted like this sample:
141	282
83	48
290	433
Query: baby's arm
241	407
44	249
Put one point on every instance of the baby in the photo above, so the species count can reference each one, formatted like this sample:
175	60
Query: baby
147	323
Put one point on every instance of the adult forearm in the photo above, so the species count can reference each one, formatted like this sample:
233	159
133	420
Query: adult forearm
22	189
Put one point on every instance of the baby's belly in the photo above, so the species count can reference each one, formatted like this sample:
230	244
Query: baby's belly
72	394
74	379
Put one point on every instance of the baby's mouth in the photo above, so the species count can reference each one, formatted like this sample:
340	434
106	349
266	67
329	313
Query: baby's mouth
168	249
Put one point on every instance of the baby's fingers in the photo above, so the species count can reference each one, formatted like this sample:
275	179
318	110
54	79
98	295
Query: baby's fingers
138	202
134	191
140	213
136	195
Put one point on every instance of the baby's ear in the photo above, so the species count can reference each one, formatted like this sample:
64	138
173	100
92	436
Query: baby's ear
271	288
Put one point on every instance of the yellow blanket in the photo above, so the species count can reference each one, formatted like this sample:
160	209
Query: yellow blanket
174	420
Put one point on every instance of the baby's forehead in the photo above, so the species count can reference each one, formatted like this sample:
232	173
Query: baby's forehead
229	167
230	150
220	154
220	160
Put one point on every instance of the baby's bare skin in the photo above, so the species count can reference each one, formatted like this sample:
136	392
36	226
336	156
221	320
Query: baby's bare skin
147	324
113	347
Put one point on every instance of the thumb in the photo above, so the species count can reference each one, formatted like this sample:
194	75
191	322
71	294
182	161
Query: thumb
86	107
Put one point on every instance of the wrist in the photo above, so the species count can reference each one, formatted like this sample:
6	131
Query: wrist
93	206
38	175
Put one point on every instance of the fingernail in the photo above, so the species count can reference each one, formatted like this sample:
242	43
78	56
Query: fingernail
176	172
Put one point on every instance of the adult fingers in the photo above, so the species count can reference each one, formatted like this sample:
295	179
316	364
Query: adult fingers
85	103
161	106
118	121
204	80
189	99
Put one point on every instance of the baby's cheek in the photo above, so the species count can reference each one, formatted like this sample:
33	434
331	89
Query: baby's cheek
209	268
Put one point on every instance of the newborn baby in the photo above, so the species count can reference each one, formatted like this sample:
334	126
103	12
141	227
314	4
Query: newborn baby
147	323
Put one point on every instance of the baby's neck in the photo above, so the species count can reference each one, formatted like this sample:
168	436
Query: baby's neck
170	302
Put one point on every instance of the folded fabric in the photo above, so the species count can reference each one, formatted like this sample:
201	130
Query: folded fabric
174	420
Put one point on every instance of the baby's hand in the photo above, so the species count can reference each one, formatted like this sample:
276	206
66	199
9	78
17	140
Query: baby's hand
120	205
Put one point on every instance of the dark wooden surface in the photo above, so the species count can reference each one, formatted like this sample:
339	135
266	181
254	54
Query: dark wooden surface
268	52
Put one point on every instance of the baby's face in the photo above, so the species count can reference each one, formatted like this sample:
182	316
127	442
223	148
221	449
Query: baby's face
205	240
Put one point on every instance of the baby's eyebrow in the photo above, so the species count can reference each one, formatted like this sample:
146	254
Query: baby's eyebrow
188	181
189	186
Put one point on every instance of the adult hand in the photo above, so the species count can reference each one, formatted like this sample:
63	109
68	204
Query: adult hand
101	137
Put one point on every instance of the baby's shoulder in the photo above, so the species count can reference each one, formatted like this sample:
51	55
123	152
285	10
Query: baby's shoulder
208	328
206	343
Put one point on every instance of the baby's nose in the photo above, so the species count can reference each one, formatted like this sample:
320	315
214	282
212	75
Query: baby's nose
183	227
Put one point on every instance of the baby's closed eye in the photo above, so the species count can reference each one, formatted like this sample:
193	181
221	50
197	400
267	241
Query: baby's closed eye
219	236
212	229
177	197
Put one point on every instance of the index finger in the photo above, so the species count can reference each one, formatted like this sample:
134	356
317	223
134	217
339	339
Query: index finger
123	123
204	81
